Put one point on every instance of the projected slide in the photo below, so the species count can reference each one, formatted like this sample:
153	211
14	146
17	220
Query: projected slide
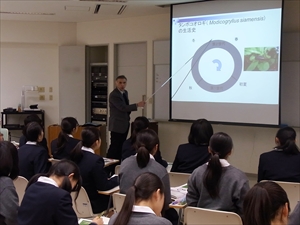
227	58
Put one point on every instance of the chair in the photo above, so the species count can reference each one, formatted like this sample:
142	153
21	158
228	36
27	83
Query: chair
293	191
118	200
20	185
117	169
200	216
177	179
4	131
82	206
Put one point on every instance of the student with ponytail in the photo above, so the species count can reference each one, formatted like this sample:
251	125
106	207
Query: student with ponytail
146	145
65	143
143	203
47	198
282	163
266	204
94	177
217	184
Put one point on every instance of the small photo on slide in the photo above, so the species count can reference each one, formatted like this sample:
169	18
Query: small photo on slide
261	59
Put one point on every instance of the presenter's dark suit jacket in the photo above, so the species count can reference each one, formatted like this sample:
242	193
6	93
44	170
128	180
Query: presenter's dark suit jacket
189	157
94	179
33	159
119	112
65	152
46	204
279	166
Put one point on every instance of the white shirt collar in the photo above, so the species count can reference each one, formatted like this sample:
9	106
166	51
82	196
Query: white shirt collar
142	209
31	143
151	156
47	180
88	149
224	163
70	135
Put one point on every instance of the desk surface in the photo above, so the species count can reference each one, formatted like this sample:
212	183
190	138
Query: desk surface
110	191
108	161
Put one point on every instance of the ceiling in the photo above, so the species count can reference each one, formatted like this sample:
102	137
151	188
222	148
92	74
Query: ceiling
84	10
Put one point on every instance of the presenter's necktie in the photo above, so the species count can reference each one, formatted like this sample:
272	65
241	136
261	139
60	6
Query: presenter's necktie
125	98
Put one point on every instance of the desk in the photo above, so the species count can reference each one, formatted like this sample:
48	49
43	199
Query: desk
109	192
108	161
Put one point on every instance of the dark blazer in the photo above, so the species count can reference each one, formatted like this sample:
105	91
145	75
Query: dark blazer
33	159
119	112
43	143
46	204
279	166
128	150
94	179
189	157
65	152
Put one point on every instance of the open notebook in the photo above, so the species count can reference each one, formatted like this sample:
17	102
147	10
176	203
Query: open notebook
87	222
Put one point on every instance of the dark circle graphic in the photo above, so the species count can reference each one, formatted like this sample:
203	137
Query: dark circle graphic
232	50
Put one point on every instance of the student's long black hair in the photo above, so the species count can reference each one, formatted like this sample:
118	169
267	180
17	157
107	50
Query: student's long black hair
200	132
67	125
89	135
140	123
9	160
262	203
33	131
146	140
220	145
144	186
287	137
63	168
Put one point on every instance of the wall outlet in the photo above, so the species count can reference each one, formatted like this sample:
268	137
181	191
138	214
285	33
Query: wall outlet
41	89
50	97
50	89
42	97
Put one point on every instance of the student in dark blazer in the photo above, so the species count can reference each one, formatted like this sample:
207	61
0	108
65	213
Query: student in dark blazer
191	155
27	120
94	177
119	111
33	158
65	143
283	162
47	199
128	148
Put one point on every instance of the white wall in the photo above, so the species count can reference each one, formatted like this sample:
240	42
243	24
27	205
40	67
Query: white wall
29	56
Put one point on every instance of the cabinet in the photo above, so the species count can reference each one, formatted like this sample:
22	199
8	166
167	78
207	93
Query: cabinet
99	73
15	120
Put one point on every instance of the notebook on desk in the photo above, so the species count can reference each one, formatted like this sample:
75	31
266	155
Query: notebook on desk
87	222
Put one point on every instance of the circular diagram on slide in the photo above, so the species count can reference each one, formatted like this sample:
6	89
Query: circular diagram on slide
216	66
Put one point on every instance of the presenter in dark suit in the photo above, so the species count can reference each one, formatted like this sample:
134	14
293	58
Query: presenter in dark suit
119	118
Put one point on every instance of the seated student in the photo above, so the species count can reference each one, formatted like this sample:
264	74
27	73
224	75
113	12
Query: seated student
65	143
33	158
294	218
282	163
147	145
266	204
27	120
128	148
191	155
9	170
143	203
1	137
218	185
94	177
47	198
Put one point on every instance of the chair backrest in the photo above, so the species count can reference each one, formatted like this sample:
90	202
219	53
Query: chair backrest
117	169
4	131
293	191
177	179
200	216
82	206
20	185
118	200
